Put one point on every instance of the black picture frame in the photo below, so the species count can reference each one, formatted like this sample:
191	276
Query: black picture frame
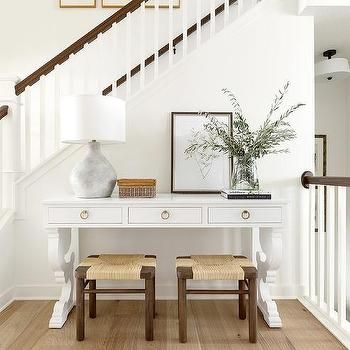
174	188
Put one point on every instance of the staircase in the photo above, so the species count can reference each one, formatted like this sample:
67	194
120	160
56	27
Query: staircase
122	56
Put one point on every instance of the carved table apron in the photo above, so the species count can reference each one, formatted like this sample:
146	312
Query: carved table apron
64	217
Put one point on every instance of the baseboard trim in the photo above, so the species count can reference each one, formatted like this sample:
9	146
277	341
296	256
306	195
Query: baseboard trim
6	298
164	292
333	327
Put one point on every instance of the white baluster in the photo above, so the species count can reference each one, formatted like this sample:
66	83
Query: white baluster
184	27
89	63
341	255
85	70
312	244
321	251
109	70
28	129
71	73
212	18
199	19
171	32
42	119
142	45
128	55
227	12
156	38
116	59
57	116
99	67
330	248
240	7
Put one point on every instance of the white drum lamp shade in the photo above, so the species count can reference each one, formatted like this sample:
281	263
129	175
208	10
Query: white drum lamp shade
93	119
332	68
85	118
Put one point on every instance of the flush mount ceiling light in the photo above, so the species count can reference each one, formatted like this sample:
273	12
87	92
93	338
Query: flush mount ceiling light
333	68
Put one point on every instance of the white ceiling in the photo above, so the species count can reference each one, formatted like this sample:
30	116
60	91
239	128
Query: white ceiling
332	31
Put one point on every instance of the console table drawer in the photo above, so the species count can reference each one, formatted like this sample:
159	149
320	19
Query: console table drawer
85	215
242	215
165	216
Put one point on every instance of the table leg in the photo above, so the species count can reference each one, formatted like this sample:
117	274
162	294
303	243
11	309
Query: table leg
63	252
267	255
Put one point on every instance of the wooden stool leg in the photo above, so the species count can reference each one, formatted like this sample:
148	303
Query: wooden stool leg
182	298
252	310
80	320
149	308
242	301
154	297
92	300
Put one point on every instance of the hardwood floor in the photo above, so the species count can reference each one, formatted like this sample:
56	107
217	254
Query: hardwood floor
120	325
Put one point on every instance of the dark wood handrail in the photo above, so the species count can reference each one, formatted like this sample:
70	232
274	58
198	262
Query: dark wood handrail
4	110
165	48
308	179
78	45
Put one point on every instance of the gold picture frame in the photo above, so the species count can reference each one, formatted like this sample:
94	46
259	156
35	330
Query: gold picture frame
78	3
122	3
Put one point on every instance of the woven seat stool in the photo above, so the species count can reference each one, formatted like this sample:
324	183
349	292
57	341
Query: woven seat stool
114	267
218	267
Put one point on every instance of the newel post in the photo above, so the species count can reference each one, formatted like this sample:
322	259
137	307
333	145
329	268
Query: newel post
10	139
304	179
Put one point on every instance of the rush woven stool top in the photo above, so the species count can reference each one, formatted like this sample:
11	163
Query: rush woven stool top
116	267
215	267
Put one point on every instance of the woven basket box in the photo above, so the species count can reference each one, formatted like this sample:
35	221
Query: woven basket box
137	188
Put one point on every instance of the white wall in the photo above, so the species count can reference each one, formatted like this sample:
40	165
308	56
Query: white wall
32	32
7	253
254	61
332	119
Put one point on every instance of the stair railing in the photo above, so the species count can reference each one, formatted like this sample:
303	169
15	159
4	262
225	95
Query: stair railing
135	44
4	110
325	260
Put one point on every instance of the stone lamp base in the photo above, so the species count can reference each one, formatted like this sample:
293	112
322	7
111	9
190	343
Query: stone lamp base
94	176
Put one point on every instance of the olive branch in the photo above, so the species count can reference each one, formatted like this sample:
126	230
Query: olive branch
217	138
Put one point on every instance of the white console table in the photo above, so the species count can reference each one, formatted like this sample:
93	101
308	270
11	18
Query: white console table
64	217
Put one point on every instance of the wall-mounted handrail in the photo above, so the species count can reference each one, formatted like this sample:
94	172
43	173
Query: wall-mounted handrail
307	179
163	50
78	45
4	110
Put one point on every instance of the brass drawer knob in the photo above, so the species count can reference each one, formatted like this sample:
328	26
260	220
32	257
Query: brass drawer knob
245	215
84	214
165	215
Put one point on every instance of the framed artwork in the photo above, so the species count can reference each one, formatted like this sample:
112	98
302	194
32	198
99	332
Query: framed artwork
149	3
320	170
77	3
193	174
320	155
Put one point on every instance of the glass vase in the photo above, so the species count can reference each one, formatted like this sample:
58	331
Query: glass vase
245	175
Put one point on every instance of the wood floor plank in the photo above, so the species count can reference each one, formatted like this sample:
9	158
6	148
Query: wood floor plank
9	311
14	326
212	325
297	319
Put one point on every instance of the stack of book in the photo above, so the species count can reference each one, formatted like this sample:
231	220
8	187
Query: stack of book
137	188
234	194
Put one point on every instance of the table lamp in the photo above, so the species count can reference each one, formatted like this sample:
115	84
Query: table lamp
93	120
